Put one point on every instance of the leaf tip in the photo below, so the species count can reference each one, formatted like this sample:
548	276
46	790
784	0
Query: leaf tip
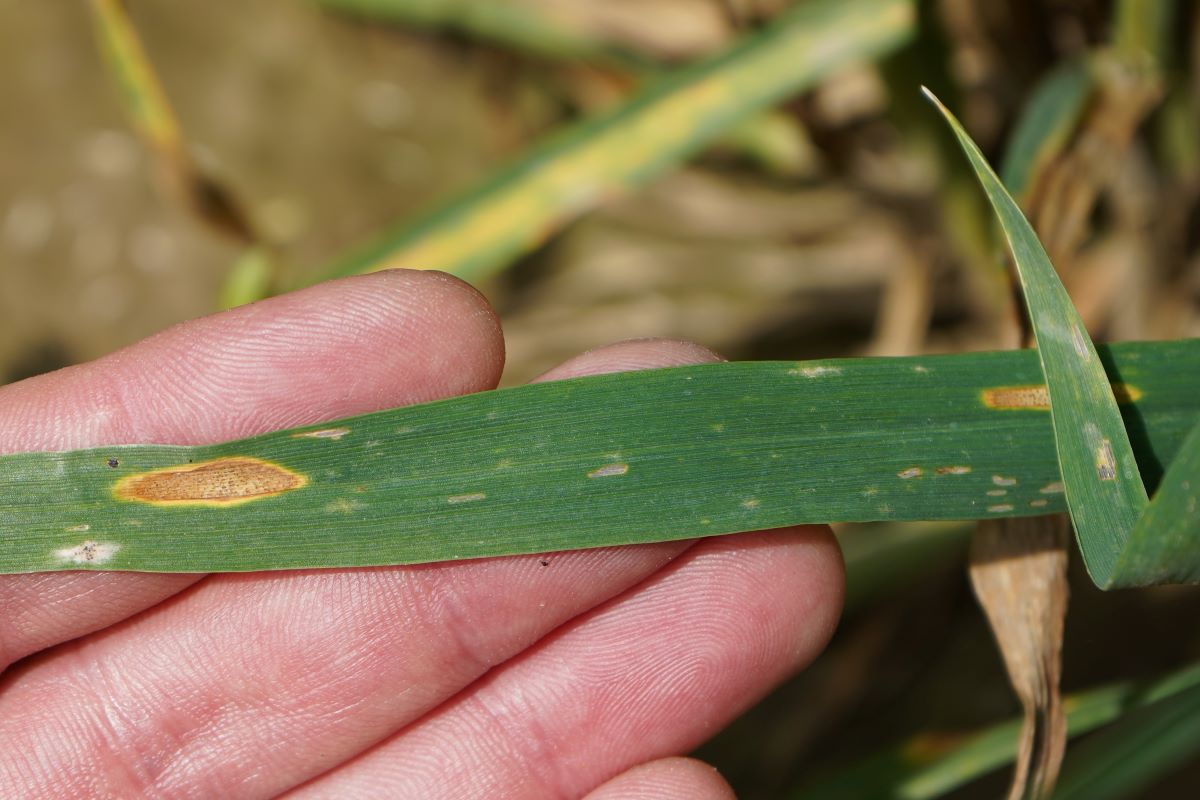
933	98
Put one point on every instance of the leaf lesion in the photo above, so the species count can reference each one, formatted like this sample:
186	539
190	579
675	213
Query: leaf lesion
220	482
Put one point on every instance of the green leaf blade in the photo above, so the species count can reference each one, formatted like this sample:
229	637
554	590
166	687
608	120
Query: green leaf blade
1163	546
600	461
1140	748
1103	486
932	765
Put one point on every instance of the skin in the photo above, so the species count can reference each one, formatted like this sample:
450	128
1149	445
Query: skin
498	678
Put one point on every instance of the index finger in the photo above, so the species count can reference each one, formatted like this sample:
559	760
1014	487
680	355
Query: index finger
341	348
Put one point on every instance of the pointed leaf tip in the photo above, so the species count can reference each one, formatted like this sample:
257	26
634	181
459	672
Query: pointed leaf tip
1103	488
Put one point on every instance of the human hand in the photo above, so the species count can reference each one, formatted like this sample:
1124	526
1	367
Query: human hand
492	678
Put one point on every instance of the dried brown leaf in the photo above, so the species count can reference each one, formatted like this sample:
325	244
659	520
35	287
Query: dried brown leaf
1019	572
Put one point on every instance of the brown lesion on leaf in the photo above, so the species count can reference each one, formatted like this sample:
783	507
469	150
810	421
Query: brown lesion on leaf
1106	463
1032	397
1037	398
609	470
220	482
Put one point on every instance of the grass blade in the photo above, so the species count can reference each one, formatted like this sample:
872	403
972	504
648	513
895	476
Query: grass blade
931	765
515	25
1103	487
1162	547
155	122
693	451
1046	125
1142	29
477	235
141	90
771	139
1142	747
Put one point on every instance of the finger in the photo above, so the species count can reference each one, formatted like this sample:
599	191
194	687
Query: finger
651	674
666	779
250	684
631	355
341	348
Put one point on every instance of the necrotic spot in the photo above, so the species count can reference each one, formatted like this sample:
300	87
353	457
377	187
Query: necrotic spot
1079	339
1037	398
324	433
609	470
1106	466
817	371
88	552
1032	397
221	482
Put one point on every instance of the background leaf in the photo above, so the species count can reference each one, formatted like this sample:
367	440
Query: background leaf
482	232
933	764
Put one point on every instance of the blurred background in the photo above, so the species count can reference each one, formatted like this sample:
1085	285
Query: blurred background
835	220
